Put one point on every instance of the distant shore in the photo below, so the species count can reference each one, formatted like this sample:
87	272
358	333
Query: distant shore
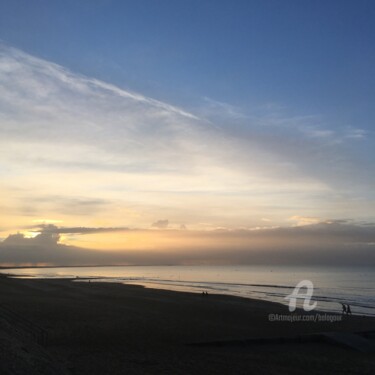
97	328
74	266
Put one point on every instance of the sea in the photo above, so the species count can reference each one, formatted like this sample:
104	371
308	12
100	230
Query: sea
332	286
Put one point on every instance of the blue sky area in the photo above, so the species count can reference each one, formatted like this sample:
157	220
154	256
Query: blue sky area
310	57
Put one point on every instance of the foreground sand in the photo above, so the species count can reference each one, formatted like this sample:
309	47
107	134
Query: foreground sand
105	328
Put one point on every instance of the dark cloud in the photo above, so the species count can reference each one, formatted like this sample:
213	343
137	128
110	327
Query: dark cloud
53	229
44	238
161	224
45	249
330	243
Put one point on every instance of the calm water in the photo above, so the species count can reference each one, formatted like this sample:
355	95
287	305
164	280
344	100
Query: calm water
355	286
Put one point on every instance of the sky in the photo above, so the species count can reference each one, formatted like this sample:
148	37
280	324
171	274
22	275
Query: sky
187	131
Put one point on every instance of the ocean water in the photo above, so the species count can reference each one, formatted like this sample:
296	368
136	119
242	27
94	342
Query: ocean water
332	286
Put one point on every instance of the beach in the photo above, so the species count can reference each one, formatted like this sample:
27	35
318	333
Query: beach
106	328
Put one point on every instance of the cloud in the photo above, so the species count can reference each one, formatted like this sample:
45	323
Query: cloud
355	133
49	234
43	239
335	243
45	249
53	229
52	117
214	109
72	111
66	205
305	220
161	224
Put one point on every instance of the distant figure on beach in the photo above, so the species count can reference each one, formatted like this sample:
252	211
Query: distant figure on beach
204	294
344	311
348	310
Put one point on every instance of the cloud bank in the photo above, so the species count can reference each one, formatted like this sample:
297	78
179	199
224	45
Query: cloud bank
336	244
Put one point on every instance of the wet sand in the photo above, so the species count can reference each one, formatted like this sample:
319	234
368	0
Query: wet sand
106	328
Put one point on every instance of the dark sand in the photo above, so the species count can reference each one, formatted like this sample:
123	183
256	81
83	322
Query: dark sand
105	328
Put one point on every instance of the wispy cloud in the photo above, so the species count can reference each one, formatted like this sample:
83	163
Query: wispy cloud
161	224
304	220
53	229
82	147
214	109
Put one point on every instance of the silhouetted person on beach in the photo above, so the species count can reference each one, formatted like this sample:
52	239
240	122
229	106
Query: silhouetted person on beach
348	310
344	311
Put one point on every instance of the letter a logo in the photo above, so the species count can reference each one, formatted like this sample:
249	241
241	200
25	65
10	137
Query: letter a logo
305	296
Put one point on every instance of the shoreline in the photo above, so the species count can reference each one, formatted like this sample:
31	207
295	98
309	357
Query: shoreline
167	286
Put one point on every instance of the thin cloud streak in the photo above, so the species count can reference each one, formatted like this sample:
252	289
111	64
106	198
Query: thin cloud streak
53	229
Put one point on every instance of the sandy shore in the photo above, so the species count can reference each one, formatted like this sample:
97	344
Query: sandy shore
105	328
